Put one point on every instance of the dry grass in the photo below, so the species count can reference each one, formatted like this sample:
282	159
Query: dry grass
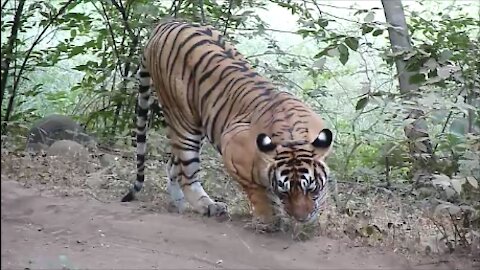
371	217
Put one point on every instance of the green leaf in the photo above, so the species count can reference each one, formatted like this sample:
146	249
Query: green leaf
322	23
457	185
73	33
369	17
366	29
344	57
322	53
360	11
443	72
361	103
431	63
320	63
76	50
472	181
377	32
417	78
44	14
459	126
352	43
445	55
342	49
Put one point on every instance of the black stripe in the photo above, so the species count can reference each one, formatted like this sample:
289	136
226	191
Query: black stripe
190	161
142	112
143	88
183	148
180	48
273	105
207	31
143	73
207	65
234	100
140	159
189	183
190	50
207	74
141	138
214	87
179	30
189	177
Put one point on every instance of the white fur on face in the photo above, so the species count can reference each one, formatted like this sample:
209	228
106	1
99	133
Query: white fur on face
283	180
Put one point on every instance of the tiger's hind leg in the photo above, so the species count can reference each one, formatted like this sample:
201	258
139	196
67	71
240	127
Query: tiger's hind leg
173	186
183	172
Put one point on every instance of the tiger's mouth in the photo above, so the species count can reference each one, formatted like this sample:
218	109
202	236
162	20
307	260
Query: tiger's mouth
281	210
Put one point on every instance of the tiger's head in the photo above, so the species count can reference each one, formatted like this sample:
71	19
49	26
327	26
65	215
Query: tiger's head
296	172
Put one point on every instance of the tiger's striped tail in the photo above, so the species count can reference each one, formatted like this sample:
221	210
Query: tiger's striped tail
143	105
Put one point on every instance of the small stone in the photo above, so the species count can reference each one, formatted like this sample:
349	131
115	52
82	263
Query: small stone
68	149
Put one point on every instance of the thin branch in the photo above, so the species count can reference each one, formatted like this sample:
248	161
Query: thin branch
110	29
177	8
320	12
4	4
125	19
276	53
229	16
269	29
202	11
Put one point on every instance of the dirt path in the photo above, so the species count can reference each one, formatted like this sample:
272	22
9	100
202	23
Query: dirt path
41	231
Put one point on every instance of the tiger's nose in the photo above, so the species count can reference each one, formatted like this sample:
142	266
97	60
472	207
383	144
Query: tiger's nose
301	210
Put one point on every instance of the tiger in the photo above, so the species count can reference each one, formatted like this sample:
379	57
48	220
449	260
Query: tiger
271	143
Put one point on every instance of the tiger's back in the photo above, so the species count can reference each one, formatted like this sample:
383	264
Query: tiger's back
207	89
202	78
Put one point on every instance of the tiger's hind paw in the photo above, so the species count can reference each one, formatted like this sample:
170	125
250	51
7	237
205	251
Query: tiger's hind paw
176	207
130	196
219	210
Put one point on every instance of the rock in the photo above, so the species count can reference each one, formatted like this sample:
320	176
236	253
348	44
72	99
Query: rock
107	160
94	181
53	128
68	149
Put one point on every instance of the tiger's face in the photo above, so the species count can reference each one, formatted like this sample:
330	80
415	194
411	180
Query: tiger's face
298	174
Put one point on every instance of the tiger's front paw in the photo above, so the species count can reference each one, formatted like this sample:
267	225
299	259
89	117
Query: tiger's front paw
275	225
219	210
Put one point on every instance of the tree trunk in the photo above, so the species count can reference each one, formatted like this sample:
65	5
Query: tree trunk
400	41
420	145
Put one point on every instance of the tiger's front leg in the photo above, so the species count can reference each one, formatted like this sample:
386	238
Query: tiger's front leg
238	153
261	205
184	181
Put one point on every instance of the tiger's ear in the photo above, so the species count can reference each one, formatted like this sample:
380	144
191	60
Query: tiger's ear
324	139
323	144
265	143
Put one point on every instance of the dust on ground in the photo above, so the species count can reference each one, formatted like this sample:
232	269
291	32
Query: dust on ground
62	214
